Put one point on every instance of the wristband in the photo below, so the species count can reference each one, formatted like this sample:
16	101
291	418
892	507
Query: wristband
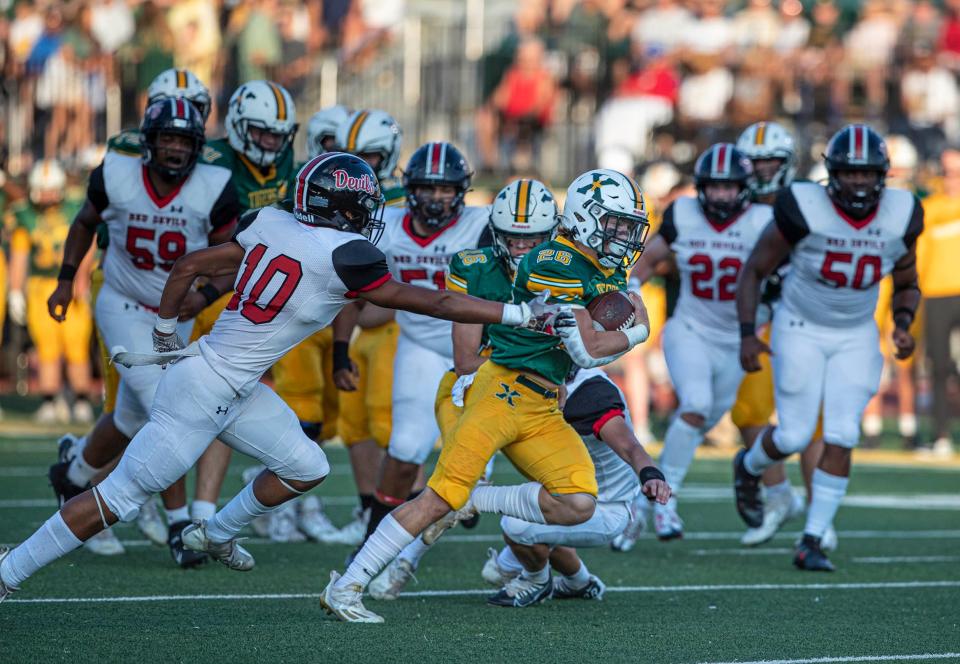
637	334
210	293
165	325
648	473
341	355
513	315
748	330
67	272
903	311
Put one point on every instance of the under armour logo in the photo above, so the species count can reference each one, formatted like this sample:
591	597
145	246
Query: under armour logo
221	410
508	394
873	231
440	249
176	208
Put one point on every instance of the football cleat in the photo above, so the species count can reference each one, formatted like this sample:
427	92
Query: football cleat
283	525
5	590
747	490
634	530
521	592
182	555
666	521
315	524
63	488
495	575
829	541
230	553
471	522
82	412
390	582
104	543
777	512
810	556
151	524
346	604
435	530
593	590
67	448
353	533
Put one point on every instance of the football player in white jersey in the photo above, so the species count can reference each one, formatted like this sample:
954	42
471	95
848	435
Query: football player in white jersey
841	239
294	273
419	241
711	236
157	207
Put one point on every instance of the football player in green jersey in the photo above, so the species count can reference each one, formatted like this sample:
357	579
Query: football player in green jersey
512	404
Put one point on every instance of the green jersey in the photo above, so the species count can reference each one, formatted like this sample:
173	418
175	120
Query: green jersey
43	232
393	193
479	272
572	277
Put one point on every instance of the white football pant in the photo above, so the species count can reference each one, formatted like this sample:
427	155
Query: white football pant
417	372
608	521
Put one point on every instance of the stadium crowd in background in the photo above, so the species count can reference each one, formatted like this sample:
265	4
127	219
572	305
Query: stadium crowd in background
653	82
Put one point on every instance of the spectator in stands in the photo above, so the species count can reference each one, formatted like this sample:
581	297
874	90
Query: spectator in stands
757	24
755	87
25	29
922	28
948	43
196	26
259	47
152	51
931	102
706	90
295	28
791	42
112	24
662	25
869	48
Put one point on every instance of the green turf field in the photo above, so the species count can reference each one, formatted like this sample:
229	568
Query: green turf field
895	597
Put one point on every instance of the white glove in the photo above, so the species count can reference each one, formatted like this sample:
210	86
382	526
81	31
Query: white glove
165	337
569	331
534	315
459	391
17	307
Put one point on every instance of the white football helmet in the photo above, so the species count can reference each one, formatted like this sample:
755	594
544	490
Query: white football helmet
372	131
323	125
605	210
264	105
524	209
180	83
46	176
770	140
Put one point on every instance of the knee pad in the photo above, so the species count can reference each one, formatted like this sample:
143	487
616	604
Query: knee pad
409	448
790	443
698	402
306	463
123	493
522	532
846	434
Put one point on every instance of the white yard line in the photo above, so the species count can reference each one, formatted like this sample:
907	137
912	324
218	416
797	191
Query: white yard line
472	591
890	560
852	658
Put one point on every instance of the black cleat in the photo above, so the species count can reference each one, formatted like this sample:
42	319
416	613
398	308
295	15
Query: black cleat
184	557
810	556
521	592
472	522
747	490
63	488
593	590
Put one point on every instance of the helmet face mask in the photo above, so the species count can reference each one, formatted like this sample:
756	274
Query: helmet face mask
619	239
723	163
856	147
523	215
172	135
435	165
340	191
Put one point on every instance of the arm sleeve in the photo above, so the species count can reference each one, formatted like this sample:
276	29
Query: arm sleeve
360	266
915	227
457	277
668	227
227	208
592	405
788	218
97	190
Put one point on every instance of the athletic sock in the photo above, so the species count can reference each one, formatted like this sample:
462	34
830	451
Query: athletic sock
679	446
51	541
378	511
757	460
578	579
540	576
177	515
79	472
235	515
521	501
908	425
202	510
872	425
828	491
507	561
782	492
414	551
389	539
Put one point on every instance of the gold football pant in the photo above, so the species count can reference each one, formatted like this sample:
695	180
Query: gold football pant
366	413
111	379
69	339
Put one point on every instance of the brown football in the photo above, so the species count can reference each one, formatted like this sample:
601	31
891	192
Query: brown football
611	311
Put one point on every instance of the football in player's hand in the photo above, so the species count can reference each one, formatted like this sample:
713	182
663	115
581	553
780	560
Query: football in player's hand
611	311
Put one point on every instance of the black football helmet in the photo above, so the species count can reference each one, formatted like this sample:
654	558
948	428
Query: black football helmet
171	115
723	162
856	147
433	164
341	191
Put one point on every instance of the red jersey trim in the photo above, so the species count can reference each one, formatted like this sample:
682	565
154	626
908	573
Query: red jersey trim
603	419
376	283
722	226
856	223
154	196
424	241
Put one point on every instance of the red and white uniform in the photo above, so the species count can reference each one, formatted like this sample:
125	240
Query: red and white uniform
825	340
701	341
147	235
293	281
425	346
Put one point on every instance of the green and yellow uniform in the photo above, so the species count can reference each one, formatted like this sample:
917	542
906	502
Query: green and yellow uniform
511	405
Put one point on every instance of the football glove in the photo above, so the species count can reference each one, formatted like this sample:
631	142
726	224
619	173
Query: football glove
166	342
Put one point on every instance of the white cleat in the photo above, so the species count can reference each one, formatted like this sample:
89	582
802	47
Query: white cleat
777	512
346	604
666	521
46	413
231	554
83	412
390	582
5	590
354	532
314	523
495	575
151	524
829	541
104	543
68	448
633	532
435	530
283	525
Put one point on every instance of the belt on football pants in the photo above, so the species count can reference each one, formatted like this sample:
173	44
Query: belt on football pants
535	387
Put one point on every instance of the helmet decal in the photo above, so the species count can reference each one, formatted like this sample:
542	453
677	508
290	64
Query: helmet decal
594	187
438	153
343	180
281	104
761	132
523	201
858	145
720	166
351	145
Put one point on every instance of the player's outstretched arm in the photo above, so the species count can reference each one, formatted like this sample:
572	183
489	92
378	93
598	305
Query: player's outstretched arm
620	438
589	347
654	254
219	262
80	237
770	251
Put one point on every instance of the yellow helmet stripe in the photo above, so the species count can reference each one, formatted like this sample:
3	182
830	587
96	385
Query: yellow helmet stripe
355	130
181	78
761	130
281	102
523	201
638	202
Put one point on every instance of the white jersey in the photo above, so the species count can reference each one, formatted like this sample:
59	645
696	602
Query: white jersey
423	262
148	233
837	262
710	257
592	399
294	280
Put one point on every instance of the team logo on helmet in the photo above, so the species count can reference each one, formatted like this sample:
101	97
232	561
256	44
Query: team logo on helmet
343	180
594	187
